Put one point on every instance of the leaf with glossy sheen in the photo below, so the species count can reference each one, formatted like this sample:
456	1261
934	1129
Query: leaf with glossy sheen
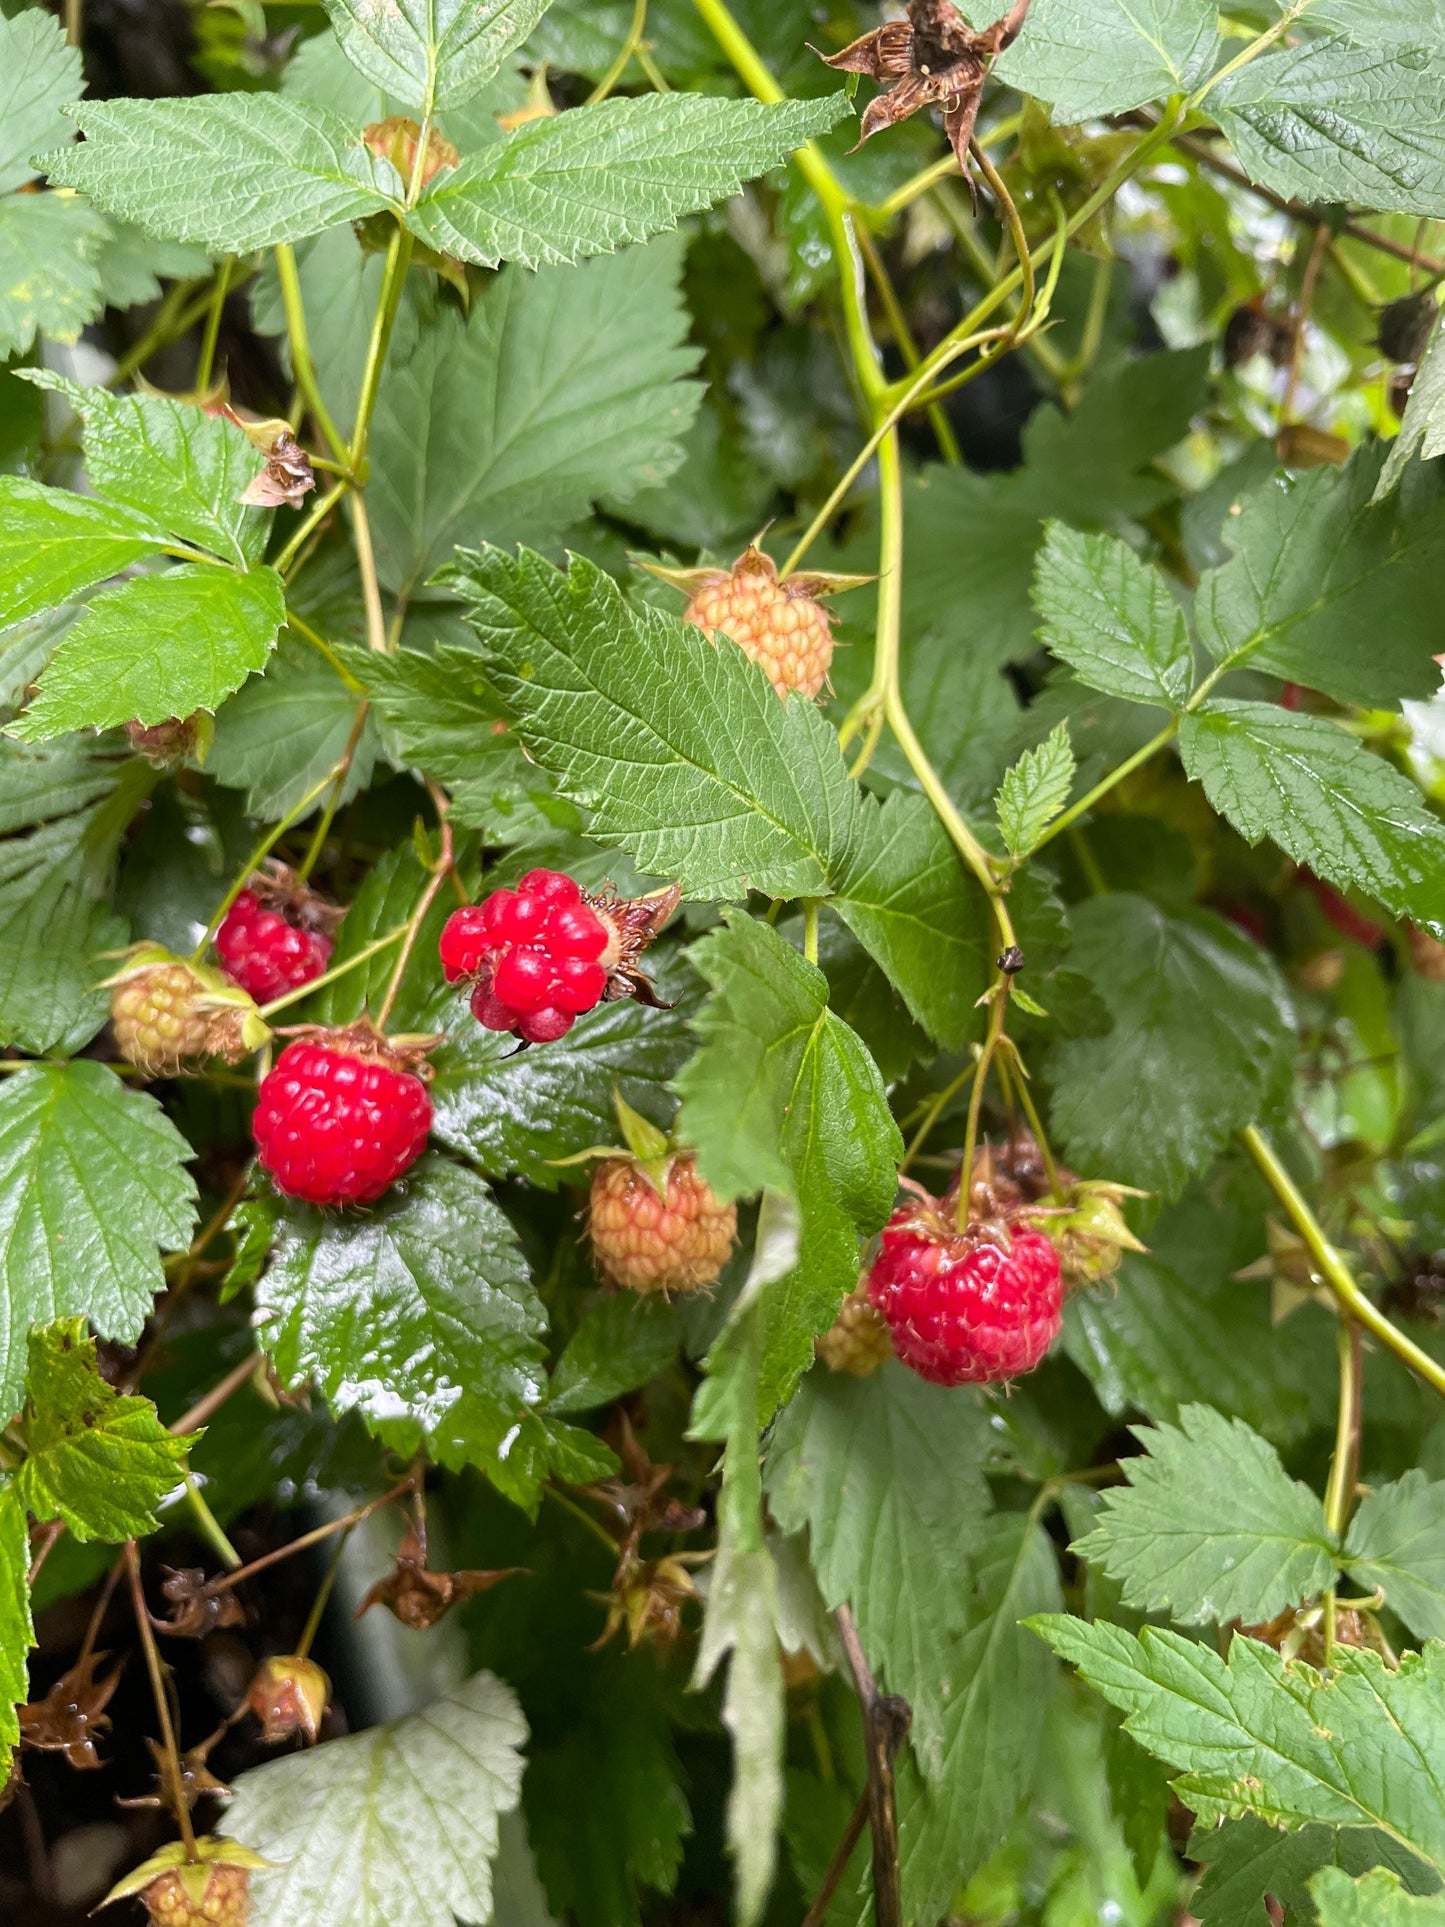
232	172
397	1823
1397	1540
908	899
1253	1733
39	77
156	647
1331	121
1000	1685
417	1312
1326	800
171	463
621	1343
1244	1860
678	751
54	934
1110	616
596	178
17	1630
53	544
432	54
1376	1900
783	1096
1201	1038
97	1459
558	388
91	1181
516	1111
1210	1527
1034	790
1328	587
1092	57
887	1475
50	278
280	735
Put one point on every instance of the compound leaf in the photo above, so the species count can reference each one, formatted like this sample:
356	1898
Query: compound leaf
1034	790
1110	616
431	54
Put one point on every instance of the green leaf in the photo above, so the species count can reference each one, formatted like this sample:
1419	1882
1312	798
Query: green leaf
678	750
1093	57
432	54
382	905
1330	588
1383	23
100	1461
1210	1527
1377	1900
39	74
1111	617
1201	1038
1247	1859
1326	800
591	180
17	1630
53	936
172	465
132	265
397	1823
1330	121
49	271
516	1111
1001	1683
54	544
908	899
783	1096
91	1183
1255	1734
1034	790
231	172
621	1343
558	387
284	731
158	646
1397	1540
417	1313
887	1475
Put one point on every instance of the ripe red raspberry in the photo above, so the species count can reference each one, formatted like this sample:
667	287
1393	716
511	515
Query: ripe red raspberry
265	952
966	1307
341	1116
542	954
780	625
668	1232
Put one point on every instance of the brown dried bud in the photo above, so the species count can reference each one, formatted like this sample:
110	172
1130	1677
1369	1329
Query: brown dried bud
288	476
395	139
72	1714
289	1695
417	1595
168	744
195	1609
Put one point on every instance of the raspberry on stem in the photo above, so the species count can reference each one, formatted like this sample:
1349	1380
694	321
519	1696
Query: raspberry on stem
658	1228
269	943
211	1890
168	1015
343	1114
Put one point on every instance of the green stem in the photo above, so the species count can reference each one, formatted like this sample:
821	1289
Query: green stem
997	1011
210	1526
316	515
258	855
1332	1267
268	1011
1344	1466
1102	788
170	1755
1036	1125
376	637
168	325
323	1593
304	629
1252	52
333	802
810	929
933	1113
303	367
441	870
393	282
619	66
205	361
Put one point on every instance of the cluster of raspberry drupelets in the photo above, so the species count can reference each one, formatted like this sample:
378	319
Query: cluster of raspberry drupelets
277	936
343	1114
208	1888
537	957
781	624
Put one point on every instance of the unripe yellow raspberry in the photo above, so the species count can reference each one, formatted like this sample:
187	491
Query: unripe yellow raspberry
857	1342
159	1021
780	625
670	1235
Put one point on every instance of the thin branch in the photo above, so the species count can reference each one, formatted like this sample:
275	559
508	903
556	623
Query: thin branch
857	1820
886	1719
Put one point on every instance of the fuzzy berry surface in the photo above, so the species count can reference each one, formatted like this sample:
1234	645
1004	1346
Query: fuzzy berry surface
965	1310
332	1128
646	1237
789	636
158	1020
225	1900
538	954
264	953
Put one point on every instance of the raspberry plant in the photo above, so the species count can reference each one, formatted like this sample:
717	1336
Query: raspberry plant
722	956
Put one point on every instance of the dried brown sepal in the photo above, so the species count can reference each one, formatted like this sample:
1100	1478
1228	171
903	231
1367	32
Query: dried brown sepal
197	1780
277	887
287	478
288	1695
647	1595
194	1609
648	1602
1298	1633
933	59
365	1042
395	139
417	1595
631	923
166	745
72	1715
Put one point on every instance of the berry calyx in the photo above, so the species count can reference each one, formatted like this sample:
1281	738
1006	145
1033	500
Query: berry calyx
971	1307
658	1225
289	1694
539	956
211	1890
857	1342
781	625
276	936
343	1114
169	1014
